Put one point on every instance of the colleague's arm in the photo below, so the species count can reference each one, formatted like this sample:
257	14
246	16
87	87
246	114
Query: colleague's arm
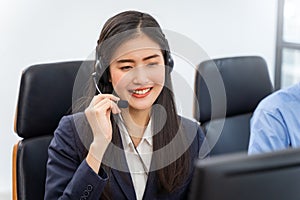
268	132
67	176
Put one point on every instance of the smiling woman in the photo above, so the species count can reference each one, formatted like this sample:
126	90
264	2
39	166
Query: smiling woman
143	151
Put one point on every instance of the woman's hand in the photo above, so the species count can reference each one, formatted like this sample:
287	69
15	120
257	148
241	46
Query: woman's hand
98	115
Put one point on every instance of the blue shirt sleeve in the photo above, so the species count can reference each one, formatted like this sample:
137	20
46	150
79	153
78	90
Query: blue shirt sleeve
268	132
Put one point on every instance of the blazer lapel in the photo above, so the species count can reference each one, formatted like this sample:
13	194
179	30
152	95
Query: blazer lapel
150	188
120	170
125	182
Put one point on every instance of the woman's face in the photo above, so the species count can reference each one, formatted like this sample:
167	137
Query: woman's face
137	72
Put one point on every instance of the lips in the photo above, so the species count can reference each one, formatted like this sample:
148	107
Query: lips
141	92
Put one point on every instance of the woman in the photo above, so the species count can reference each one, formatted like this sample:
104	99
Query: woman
143	151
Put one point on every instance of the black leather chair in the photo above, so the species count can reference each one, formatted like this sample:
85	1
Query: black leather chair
228	91
45	95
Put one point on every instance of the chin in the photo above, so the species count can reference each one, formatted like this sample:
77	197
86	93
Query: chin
140	106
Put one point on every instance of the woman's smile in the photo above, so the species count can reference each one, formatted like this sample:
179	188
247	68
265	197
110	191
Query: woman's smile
141	92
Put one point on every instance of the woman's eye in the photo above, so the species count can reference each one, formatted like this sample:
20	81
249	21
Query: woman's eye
152	64
126	67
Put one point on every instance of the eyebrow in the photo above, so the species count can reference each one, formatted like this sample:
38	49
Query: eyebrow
152	56
132	61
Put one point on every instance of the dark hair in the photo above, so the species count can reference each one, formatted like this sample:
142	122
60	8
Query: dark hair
125	26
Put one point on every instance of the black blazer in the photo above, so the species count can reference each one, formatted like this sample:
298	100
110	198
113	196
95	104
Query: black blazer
70	177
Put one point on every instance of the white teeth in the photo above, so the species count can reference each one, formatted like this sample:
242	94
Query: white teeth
141	91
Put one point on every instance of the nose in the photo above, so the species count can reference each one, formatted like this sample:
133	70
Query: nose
140	76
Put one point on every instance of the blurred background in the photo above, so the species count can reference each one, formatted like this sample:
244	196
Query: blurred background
33	32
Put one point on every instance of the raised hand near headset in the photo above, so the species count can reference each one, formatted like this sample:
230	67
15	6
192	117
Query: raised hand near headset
98	116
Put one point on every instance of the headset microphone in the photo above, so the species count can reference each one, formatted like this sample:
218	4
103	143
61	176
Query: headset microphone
121	103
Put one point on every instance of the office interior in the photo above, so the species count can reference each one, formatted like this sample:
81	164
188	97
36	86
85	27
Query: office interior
35	32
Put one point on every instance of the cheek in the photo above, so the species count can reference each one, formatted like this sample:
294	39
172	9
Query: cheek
159	77
116	79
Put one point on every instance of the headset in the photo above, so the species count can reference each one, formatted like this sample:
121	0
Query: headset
104	80
101	75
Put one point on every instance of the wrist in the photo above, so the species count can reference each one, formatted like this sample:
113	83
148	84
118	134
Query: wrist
97	149
100	143
95	155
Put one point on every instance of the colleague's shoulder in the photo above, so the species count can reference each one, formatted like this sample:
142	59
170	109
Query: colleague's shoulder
281	98
292	92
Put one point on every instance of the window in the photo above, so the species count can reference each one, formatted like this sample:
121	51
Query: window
287	69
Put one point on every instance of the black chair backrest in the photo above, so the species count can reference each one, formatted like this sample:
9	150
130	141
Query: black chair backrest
224	107
45	96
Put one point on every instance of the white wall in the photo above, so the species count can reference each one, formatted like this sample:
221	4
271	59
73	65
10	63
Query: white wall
36	31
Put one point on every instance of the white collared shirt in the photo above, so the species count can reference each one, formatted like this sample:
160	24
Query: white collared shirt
135	165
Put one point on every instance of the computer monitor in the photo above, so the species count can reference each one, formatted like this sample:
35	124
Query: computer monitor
268	176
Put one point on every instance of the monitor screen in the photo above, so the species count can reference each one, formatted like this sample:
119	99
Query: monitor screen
274	175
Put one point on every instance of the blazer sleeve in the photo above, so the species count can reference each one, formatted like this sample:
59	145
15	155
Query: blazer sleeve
67	176
199	147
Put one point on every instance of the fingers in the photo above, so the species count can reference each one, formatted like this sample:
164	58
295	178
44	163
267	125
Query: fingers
107	105
105	102
100	97
115	109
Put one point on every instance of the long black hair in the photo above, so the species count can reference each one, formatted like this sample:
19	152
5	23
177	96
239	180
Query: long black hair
125	26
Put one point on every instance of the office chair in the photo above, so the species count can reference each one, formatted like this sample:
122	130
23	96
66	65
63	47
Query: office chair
45	95
228	91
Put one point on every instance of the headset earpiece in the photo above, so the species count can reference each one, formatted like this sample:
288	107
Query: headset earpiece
101	71
169	62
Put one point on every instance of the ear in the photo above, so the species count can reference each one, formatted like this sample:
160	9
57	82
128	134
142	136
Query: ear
109	78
